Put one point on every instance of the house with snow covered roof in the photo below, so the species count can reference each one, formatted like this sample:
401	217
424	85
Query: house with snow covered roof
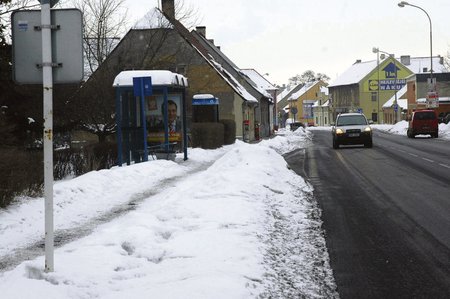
321	108
160	42
283	104
264	111
303	101
261	83
366	86
418	87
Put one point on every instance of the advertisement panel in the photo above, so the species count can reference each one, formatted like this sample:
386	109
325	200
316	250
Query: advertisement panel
155	119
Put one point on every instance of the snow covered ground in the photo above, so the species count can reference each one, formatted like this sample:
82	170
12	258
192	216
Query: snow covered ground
228	223
401	127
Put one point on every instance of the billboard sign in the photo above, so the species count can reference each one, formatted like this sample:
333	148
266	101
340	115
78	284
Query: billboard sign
432	99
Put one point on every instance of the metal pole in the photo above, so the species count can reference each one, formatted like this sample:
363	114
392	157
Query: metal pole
395	93
378	87
431	44
402	4
166	119
143	119
48	132
119	126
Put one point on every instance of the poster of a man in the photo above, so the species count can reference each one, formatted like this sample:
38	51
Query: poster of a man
155	119
173	121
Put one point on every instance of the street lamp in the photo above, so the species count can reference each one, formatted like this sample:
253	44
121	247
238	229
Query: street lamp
403	4
378	51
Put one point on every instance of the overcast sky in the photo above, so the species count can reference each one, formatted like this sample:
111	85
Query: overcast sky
287	37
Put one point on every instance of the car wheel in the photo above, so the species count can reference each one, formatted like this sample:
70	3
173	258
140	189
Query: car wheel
435	135
368	144
335	144
409	134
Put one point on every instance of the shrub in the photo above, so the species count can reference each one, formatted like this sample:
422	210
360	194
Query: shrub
229	131
22	171
207	135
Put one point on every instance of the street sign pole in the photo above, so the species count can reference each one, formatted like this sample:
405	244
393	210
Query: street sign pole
47	82
30	27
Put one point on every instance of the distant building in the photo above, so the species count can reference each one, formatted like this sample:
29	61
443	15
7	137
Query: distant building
283	103
321	108
418	87
303	101
160	42
366	86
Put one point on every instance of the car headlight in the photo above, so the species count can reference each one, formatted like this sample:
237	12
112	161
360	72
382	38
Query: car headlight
339	131
367	129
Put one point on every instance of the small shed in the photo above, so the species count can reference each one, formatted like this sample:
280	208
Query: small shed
150	115
205	108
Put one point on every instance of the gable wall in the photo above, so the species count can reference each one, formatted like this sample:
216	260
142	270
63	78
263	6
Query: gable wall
377	83
310	94
203	79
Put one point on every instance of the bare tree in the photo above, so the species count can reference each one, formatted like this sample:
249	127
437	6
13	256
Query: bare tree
104	23
187	14
145	47
308	76
447	61
6	8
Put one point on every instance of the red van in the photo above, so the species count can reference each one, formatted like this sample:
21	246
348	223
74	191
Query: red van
423	122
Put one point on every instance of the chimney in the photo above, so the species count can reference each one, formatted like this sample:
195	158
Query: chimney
168	7
358	61
405	59
201	30
211	41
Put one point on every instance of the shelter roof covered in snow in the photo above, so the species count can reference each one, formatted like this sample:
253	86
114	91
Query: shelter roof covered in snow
159	77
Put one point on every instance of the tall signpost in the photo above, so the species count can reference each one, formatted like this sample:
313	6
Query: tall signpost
35	65
47	83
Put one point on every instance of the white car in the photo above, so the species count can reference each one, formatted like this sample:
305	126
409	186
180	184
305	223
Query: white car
350	129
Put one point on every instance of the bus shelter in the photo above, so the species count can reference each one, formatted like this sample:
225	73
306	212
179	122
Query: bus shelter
150	115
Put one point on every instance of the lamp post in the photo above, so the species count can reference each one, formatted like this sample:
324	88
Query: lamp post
403	4
378	51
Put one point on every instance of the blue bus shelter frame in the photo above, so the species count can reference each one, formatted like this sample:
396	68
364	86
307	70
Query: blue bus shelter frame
121	142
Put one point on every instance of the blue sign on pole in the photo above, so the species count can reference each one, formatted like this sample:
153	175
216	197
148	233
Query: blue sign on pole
142	84
142	87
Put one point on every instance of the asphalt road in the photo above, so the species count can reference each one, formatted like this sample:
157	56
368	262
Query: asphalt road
386	213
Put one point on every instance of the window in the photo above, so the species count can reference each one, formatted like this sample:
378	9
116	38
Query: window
375	117
351	120
374	96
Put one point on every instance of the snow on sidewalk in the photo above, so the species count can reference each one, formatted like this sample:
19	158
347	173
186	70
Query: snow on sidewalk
244	227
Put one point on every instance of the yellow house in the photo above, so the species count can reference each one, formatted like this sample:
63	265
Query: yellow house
303	100
366	86
380	85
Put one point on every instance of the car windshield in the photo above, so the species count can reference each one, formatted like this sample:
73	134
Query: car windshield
425	115
351	120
